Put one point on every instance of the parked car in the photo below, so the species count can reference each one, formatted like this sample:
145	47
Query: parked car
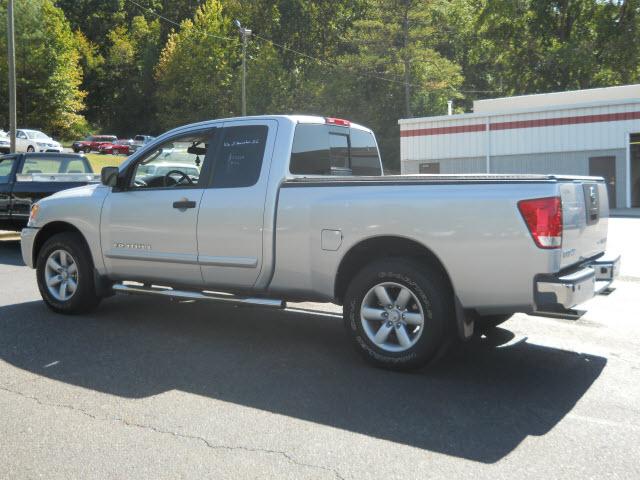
139	141
296	208
27	177
35	141
92	143
5	142
115	148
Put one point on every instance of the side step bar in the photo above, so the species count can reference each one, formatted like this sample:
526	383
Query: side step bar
195	295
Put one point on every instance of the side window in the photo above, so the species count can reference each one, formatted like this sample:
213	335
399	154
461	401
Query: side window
310	150
6	164
176	163
365	159
21	134
239	158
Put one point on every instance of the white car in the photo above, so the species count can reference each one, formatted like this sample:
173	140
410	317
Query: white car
35	141
5	144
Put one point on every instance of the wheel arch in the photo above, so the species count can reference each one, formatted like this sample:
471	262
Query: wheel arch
376	248
51	229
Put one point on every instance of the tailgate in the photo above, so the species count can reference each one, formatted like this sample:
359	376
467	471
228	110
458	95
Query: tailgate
585	215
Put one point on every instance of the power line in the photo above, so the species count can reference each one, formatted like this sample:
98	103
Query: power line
359	73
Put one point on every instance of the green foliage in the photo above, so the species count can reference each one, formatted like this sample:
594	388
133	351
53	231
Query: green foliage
372	61
47	75
195	72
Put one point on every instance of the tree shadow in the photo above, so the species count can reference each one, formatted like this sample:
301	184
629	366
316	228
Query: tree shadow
10	253
479	403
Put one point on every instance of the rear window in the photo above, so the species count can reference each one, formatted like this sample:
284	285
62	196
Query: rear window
55	165
328	150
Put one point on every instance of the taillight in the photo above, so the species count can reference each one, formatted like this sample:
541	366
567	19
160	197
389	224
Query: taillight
543	217
337	121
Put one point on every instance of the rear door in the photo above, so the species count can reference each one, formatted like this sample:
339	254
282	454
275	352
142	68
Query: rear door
231	216
148	228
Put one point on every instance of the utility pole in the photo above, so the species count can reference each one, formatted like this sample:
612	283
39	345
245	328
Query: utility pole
244	33
12	76
407	63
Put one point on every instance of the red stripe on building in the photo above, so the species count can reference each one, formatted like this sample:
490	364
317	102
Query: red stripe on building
442	130
550	122
542	122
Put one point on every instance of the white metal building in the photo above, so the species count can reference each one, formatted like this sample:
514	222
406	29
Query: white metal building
584	132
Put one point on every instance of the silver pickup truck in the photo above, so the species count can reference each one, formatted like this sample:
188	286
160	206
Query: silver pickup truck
264	210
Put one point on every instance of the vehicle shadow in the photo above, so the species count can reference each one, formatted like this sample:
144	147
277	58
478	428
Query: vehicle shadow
478	404
10	252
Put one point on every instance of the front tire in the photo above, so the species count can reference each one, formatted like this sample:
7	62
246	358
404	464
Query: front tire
30	149
64	270
399	313
87	149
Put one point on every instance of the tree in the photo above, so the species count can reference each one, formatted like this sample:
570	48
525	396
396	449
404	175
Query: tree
48	77
195	73
392	70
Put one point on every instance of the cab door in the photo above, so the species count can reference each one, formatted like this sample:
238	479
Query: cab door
148	227
231	216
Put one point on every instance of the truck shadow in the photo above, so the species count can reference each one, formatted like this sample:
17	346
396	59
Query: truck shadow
10	252
479	404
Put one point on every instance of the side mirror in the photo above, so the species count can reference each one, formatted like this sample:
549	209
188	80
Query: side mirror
109	176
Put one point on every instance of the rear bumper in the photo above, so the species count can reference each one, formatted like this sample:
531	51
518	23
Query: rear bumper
569	290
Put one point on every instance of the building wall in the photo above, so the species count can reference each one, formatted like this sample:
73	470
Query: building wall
560	163
553	140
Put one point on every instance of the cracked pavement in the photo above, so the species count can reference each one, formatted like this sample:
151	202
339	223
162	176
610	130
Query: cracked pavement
151	389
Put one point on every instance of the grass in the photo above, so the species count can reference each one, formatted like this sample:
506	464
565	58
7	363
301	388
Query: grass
98	160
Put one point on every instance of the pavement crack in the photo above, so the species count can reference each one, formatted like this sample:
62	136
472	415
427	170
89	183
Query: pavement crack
160	431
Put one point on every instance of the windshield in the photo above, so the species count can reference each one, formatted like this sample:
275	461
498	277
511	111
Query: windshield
36	135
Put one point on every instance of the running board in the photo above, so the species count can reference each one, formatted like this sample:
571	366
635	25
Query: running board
194	295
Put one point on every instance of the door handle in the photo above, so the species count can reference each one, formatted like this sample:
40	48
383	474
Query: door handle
184	203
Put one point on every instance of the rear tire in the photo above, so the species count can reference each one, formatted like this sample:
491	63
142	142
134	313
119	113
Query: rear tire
414	328
64	270
30	149
87	149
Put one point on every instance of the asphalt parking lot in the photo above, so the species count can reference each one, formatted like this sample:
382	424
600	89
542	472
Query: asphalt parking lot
144	388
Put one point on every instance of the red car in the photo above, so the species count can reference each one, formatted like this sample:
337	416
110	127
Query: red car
92	142
114	148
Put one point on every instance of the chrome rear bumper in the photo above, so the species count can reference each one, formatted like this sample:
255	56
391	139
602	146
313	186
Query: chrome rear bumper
577	287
